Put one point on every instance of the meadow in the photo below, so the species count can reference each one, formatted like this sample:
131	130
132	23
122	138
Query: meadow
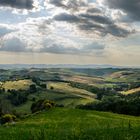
73	124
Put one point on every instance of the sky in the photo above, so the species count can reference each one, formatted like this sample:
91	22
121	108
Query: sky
70	32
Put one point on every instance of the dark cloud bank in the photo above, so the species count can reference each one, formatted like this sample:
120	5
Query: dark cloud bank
19	4
94	22
131	7
70	4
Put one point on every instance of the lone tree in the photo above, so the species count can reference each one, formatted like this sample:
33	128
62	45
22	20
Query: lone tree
33	88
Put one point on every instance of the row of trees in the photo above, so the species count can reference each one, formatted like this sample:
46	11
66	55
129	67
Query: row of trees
129	105
18	97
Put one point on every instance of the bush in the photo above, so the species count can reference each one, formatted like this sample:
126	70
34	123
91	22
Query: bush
43	86
1	113
8	118
51	87
42	105
59	105
33	88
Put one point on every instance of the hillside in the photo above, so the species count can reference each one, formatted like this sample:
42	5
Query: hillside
73	124
132	91
71	87
131	75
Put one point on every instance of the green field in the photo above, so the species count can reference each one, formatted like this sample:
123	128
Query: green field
19	84
62	94
64	87
73	124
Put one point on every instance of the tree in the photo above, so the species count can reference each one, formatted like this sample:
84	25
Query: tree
32	88
17	97
51	87
41	105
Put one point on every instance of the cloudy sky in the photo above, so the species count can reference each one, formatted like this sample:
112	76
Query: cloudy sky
70	32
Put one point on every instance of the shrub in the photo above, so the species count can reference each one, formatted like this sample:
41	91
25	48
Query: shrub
1	113
42	105
32	88
51	87
43	86
59	105
7	118
33	99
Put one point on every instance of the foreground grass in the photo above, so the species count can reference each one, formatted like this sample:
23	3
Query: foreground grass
73	124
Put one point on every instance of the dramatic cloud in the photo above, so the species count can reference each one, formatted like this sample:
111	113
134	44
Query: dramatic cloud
90	17
97	18
95	24
67	17
130	7
69	4
94	10
20	4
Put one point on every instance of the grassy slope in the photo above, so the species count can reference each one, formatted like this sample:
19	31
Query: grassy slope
70	96
61	94
64	87
135	90
124	76
73	124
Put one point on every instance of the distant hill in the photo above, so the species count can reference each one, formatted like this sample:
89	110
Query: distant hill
12	66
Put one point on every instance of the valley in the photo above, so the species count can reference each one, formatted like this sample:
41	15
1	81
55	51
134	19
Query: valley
86	103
